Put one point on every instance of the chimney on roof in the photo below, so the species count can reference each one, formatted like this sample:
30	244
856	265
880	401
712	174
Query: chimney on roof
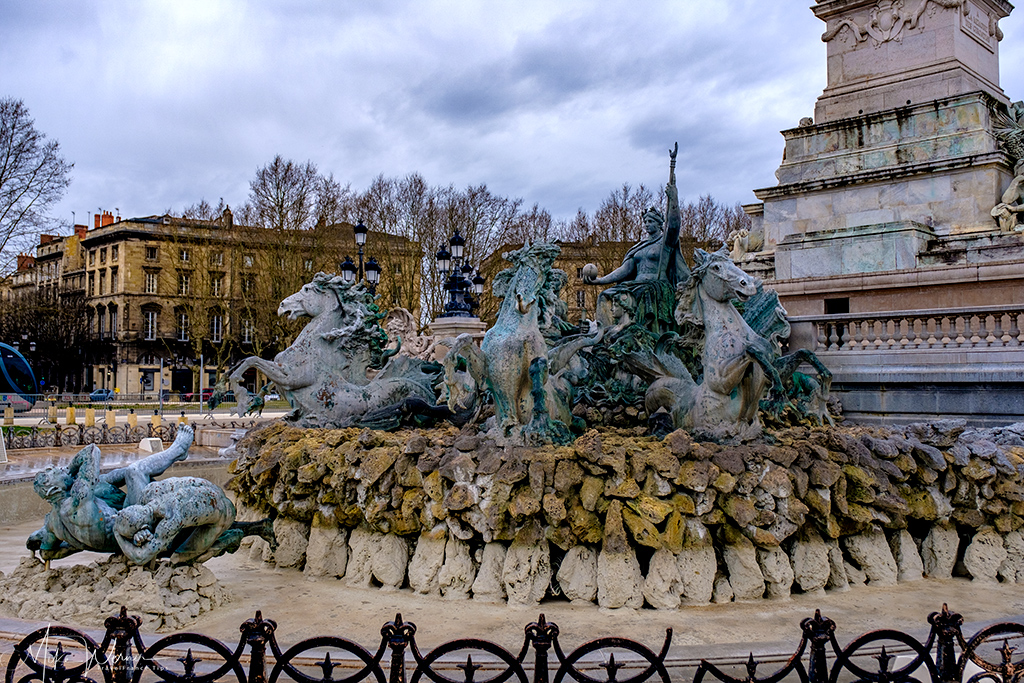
96	220
46	239
108	218
80	231
26	261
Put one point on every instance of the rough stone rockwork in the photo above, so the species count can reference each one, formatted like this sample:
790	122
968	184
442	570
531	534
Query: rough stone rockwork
167	598
621	519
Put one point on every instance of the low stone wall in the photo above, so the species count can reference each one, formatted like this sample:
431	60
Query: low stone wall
165	598
622	519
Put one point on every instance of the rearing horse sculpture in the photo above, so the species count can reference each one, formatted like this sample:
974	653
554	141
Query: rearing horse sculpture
516	360
323	374
738	363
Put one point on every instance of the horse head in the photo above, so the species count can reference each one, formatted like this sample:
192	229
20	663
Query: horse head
722	279
719	278
524	282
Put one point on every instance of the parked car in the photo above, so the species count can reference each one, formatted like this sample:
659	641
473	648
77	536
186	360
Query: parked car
273	397
102	395
193	396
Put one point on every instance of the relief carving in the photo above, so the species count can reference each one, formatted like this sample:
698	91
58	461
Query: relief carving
888	19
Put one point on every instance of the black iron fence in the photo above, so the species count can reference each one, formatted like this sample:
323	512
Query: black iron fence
63	655
80	435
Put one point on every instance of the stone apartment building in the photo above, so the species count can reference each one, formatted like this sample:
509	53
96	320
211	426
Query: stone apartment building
191	298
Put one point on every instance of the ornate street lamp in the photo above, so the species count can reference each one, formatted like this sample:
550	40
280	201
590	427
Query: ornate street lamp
459	283
348	270
370	271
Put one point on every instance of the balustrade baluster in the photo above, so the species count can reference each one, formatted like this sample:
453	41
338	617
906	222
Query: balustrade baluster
821	336
961	327
870	338
931	324
975	327
1004	330
946	324
913	338
905	332
890	328
856	335
847	335
990	329
1015	330
833	338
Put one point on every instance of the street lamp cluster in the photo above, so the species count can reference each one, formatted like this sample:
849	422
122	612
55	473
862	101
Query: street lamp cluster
462	285
371	271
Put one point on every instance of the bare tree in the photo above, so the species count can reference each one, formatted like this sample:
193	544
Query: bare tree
33	176
620	216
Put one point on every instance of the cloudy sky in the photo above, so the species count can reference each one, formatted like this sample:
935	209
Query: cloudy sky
160	104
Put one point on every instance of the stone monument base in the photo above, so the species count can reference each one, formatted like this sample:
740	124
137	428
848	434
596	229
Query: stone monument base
166	598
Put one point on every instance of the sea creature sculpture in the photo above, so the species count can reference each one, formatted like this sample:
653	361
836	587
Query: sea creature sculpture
186	518
738	364
323	374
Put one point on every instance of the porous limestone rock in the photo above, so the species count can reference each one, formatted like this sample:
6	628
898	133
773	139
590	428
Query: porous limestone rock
359	572
777	572
908	560
578	575
723	590
327	551
854	575
939	551
811	568
292	538
488	586
985	555
697	567
526	572
426	562
838	579
389	560
619	580
458	571
662	586
870	550
745	575
166	597
1012	569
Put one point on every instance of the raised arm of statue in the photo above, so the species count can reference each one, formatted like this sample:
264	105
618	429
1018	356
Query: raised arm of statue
674	217
627	271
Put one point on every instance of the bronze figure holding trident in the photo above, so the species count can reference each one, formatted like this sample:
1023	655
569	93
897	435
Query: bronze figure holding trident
651	270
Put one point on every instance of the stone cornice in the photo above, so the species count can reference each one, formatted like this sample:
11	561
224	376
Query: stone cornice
883	175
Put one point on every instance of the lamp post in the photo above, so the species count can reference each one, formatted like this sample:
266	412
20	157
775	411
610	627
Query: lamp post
370	272
460	283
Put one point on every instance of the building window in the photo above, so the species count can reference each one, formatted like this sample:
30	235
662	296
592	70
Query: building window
398	293
151	278
248	283
216	284
184	284
184	255
183	326
151	253
309	265
247	260
247	331
149	325
113	280
113	252
217	258
581	299
103	255
579	273
103	281
398	269
92	257
92	284
113	321
101	322
216	328
280	263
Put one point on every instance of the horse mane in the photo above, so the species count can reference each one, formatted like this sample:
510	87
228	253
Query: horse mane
688	310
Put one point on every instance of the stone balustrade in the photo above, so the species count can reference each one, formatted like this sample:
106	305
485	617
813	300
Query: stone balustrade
948	328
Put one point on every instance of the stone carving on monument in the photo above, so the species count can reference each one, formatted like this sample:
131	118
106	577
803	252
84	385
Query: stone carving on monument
324	373
188	519
400	326
887	19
